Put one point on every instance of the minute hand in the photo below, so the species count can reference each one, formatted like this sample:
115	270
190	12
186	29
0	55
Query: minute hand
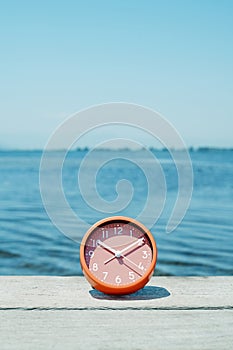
139	242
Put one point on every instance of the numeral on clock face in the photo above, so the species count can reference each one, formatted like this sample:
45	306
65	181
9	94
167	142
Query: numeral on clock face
145	254
105	275
131	275
118	230
105	234
118	279
140	266
95	267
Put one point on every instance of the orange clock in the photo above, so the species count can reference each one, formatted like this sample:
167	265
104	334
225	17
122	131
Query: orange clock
118	255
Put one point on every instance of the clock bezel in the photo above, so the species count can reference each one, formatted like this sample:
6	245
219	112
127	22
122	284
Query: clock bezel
114	289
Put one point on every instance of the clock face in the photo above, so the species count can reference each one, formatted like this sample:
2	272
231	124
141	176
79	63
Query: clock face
118	253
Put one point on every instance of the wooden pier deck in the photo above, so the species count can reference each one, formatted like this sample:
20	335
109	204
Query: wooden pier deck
65	313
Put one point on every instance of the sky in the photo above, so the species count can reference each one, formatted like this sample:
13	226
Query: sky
59	57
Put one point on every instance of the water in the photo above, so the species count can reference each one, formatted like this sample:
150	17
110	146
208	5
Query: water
202	245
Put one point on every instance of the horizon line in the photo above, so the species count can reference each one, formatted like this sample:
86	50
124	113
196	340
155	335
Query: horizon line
87	148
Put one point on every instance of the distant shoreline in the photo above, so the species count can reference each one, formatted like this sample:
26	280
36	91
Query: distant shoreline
152	149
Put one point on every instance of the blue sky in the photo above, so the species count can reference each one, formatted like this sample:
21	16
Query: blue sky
58	57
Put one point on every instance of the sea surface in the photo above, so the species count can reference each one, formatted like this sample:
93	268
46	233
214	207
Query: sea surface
30	244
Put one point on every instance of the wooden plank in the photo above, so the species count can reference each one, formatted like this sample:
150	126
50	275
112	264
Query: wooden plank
116	329
75	293
65	313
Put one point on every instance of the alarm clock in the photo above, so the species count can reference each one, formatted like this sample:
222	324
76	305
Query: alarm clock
118	255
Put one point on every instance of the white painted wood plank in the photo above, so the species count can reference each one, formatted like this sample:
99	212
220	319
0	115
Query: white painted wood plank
75	293
116	329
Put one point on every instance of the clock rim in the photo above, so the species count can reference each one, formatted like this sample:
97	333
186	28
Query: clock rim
108	288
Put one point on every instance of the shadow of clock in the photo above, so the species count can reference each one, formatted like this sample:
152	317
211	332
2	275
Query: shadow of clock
147	293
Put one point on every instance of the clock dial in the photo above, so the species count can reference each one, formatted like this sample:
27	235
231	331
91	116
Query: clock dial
118	253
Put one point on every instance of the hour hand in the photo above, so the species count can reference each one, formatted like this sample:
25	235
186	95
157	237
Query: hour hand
102	244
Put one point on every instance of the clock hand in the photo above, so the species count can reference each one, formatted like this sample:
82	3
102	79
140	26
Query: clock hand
133	263
102	244
124	257
118	253
140	242
110	259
